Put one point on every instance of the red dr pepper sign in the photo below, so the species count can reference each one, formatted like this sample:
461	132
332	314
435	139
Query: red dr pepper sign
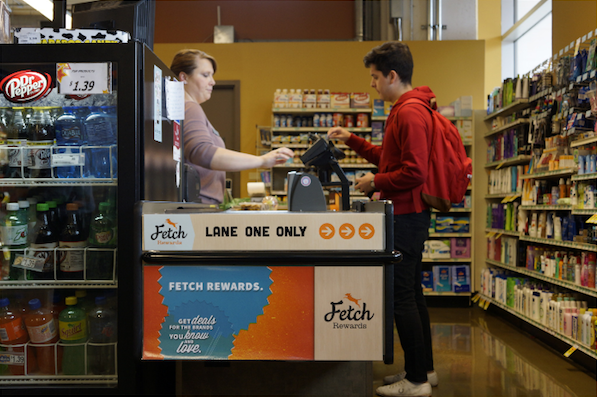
26	86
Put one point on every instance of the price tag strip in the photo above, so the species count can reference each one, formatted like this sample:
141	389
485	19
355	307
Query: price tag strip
84	78
29	263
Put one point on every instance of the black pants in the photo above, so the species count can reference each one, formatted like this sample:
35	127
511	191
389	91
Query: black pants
410	309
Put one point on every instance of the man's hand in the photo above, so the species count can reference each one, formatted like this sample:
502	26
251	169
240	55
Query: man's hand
364	183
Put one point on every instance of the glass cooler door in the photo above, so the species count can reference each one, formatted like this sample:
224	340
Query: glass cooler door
58	224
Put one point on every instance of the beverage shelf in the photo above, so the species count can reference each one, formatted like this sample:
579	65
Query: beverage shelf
33	182
562	337
536	275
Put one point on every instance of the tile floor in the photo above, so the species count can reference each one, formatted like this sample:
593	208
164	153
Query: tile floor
477	353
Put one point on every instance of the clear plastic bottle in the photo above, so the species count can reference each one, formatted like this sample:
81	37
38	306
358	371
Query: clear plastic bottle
101	352
3	142
70	133
73	335
100	136
40	139
15	237
13	332
101	236
18	157
43	333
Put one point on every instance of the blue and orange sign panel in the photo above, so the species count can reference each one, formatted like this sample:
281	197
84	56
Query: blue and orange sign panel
262	313
234	313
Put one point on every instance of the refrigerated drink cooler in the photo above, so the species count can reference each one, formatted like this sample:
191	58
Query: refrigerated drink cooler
81	125
266	285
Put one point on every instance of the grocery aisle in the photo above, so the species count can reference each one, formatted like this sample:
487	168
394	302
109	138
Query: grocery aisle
480	354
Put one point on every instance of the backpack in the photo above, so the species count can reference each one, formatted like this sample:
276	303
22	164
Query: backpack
450	170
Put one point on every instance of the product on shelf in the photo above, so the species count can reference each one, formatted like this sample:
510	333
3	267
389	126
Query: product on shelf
73	335
101	349
43	333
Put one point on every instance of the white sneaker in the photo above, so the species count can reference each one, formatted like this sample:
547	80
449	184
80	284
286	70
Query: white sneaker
405	388
431	378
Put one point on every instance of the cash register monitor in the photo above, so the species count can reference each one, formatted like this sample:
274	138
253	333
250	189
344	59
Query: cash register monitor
324	156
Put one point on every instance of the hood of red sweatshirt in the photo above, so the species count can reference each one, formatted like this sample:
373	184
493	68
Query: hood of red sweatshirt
423	93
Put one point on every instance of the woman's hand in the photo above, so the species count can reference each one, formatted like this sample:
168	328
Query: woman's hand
275	157
339	133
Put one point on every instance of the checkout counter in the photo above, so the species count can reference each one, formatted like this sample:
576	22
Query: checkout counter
249	301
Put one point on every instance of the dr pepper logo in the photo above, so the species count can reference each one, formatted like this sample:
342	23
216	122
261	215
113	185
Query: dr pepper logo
26	86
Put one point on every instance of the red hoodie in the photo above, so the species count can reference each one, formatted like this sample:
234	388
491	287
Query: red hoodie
403	157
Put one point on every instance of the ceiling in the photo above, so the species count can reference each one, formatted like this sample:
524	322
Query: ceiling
23	15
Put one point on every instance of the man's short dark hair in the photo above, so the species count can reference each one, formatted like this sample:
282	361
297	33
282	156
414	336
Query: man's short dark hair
390	56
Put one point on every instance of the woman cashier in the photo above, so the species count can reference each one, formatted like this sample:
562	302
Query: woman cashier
203	146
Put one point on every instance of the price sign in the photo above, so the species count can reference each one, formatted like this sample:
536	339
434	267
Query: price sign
68	159
84	78
29	263
569	352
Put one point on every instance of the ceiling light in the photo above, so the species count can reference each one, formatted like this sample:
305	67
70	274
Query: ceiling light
44	7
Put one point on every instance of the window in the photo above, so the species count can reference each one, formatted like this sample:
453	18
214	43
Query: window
533	47
526	43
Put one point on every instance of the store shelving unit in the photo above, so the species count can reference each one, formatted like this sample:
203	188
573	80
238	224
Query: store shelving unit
291	137
564	338
563	209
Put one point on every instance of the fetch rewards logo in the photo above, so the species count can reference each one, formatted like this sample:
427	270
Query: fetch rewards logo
172	232
348	316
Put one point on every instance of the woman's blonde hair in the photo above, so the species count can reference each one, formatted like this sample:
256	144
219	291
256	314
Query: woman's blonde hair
185	61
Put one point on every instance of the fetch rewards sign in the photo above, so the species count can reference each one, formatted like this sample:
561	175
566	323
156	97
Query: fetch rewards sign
263	313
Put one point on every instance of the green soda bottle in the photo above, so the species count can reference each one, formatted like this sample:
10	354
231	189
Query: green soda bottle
14	238
73	334
100	259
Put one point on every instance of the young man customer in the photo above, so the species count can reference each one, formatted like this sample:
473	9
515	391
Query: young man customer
402	161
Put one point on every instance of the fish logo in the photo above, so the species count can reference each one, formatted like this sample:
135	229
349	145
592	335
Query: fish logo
350	298
168	221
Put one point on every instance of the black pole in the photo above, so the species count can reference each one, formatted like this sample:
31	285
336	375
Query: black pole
59	14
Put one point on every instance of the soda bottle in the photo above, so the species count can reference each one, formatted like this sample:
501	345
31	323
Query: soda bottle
3	143
14	237
83	301
73	335
100	136
70	133
100	263
40	139
32	215
44	242
101	354
43	333
18	157
72	236
13	332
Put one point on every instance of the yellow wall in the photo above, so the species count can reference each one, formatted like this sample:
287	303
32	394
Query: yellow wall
450	68
572	19
489	29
